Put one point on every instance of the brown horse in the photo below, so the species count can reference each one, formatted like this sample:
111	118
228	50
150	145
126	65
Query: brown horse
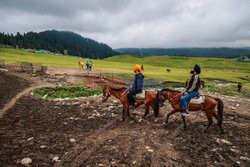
121	94
202	83
208	106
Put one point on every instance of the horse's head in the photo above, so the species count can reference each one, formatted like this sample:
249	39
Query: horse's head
106	93
162	97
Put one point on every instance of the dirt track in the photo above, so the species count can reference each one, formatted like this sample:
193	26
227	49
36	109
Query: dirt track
41	130
10	85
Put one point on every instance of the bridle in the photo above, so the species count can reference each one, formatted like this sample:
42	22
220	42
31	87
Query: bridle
108	94
161	100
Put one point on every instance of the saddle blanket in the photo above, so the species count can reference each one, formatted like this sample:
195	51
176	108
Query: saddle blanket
139	96
199	100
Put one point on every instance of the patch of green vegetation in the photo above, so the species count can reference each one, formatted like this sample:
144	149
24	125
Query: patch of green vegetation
65	92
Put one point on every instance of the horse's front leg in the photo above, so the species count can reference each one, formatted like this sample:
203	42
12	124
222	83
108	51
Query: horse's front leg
146	111
169	114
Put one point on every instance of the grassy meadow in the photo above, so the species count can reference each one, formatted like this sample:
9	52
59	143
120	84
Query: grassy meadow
155	66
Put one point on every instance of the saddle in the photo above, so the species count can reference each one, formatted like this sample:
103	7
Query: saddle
139	96
197	99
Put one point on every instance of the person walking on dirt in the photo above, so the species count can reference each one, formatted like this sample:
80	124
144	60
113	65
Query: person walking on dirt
90	65
87	65
192	90
136	87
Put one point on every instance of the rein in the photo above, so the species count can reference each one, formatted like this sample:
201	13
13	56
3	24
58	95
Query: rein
123	93
176	97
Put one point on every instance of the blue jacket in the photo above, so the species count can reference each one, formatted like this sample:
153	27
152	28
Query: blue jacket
138	82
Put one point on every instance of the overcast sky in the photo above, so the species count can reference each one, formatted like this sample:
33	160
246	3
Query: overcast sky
135	23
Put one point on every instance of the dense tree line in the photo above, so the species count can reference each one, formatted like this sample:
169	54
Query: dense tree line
187	52
58	42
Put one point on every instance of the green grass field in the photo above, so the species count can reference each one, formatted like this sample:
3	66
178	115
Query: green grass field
155	66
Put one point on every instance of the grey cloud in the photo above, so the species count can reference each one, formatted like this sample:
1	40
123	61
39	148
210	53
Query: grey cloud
63	7
136	23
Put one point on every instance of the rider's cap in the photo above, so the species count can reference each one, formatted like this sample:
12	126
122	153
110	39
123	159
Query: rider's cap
137	67
197	69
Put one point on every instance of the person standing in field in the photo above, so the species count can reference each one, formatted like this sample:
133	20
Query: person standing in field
142	68
87	65
90	65
192	90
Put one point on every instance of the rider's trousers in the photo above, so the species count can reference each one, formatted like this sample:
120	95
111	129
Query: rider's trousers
187	97
130	96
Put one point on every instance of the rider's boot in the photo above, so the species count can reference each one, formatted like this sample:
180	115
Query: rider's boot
185	113
134	106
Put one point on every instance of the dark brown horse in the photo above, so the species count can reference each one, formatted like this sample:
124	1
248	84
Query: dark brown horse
208	106
202	83
121	94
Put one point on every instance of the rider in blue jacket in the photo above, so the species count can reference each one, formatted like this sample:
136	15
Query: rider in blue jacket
136	87
192	90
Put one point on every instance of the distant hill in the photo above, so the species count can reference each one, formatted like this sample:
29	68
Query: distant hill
59	41
187	52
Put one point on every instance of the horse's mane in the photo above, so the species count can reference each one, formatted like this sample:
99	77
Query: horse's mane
170	90
118	89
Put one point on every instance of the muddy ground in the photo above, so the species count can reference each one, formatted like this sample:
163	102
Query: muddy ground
87	132
10	85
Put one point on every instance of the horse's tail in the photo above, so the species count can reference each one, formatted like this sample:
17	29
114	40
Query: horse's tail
156	108
220	107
